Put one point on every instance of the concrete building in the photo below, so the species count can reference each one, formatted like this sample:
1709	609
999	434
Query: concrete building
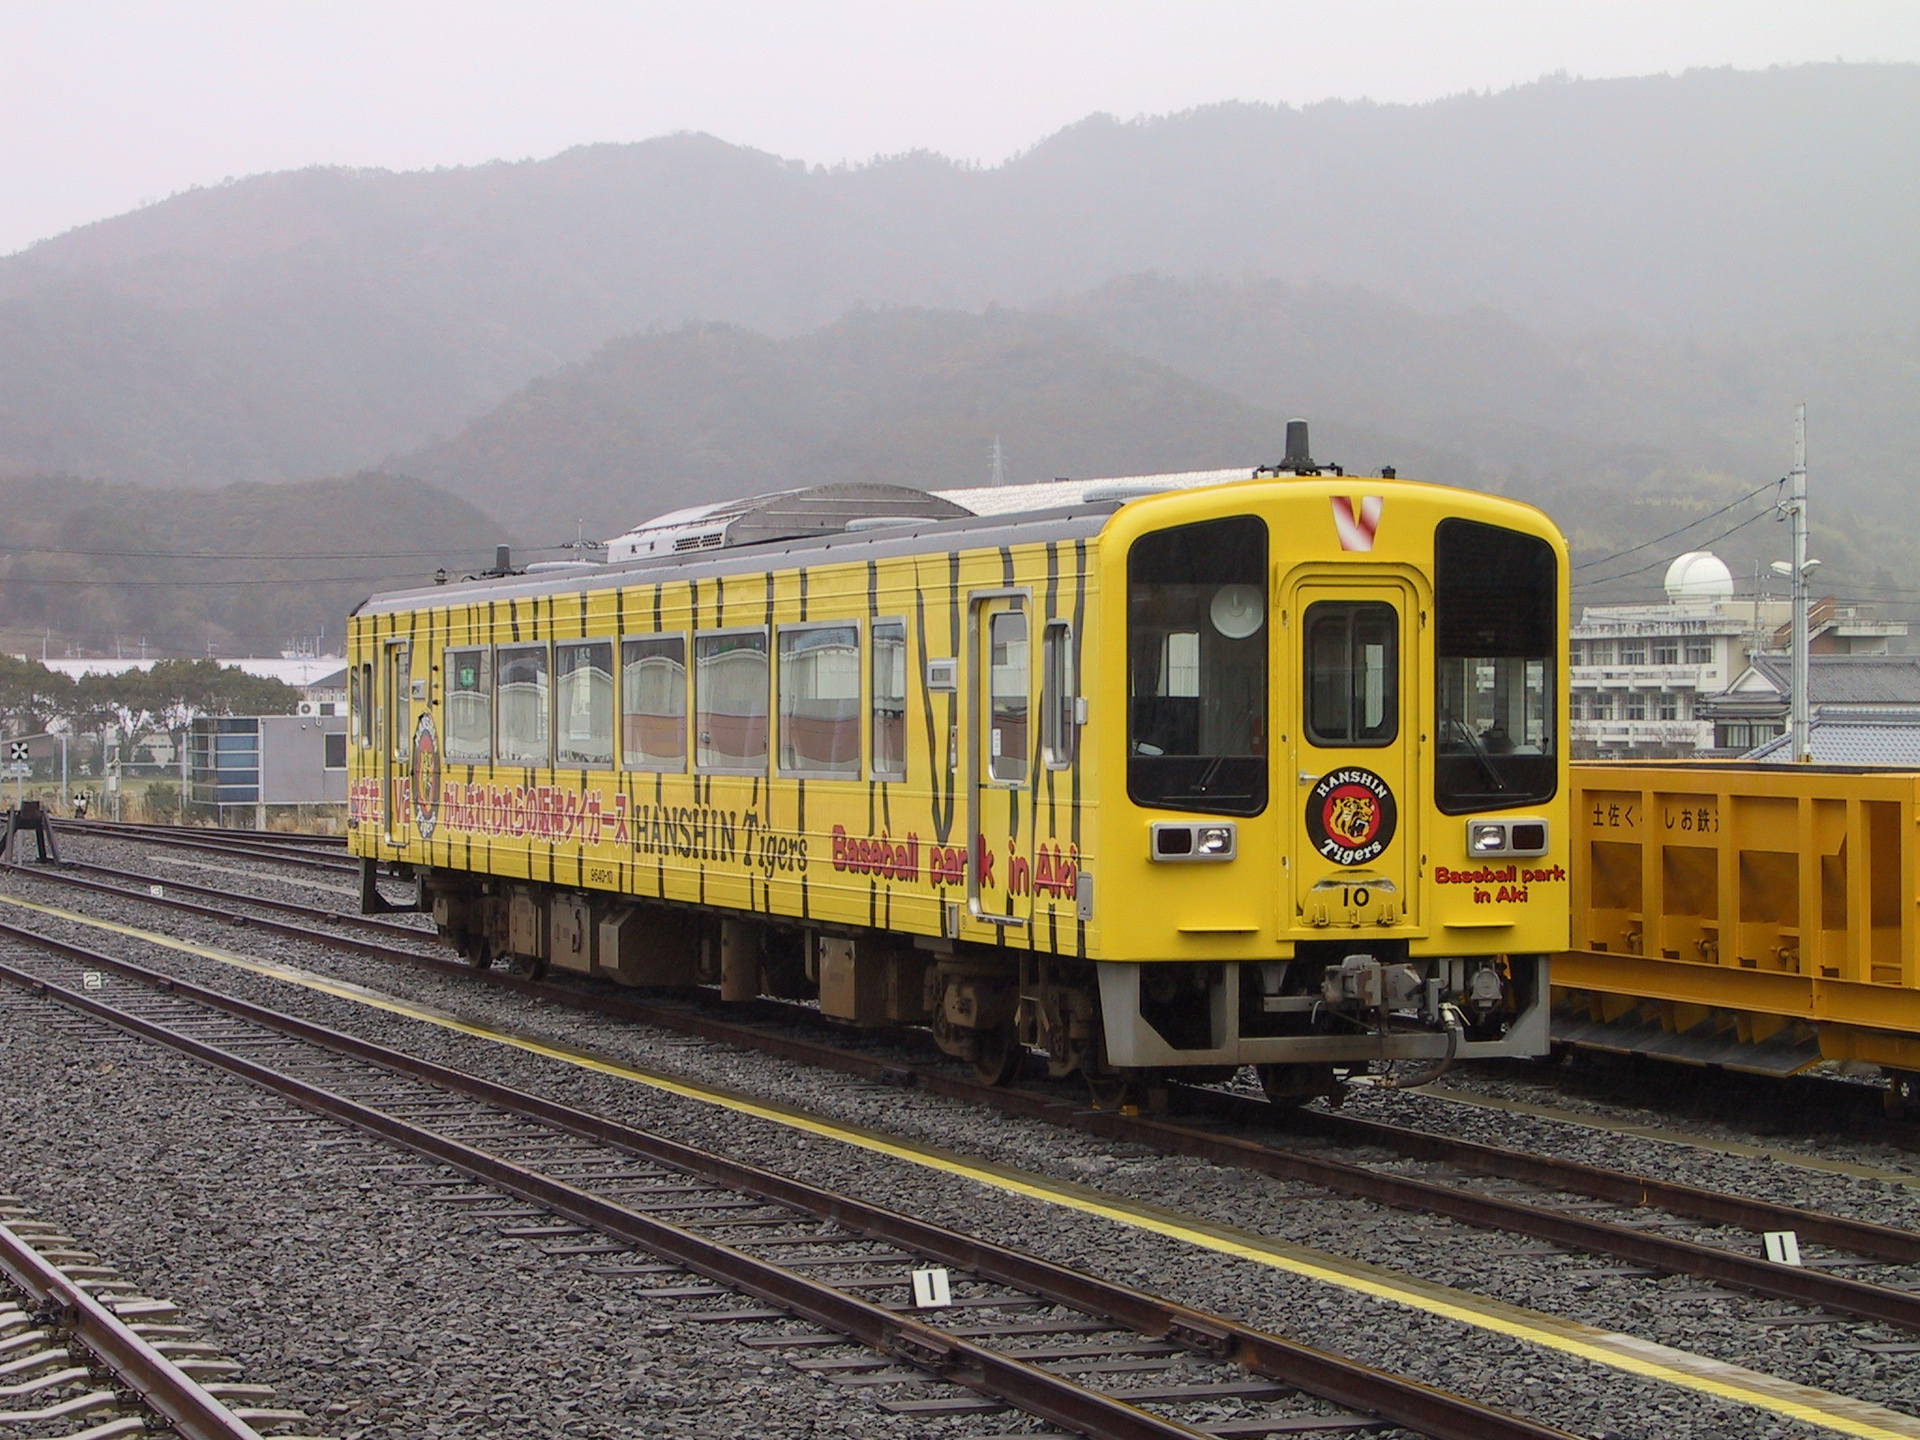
1637	672
252	762
1647	681
326	695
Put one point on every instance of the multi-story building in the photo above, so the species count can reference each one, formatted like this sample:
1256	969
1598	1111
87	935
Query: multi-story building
1696	675
1638	672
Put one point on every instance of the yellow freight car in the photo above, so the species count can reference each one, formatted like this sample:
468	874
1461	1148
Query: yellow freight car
1144	776
1755	916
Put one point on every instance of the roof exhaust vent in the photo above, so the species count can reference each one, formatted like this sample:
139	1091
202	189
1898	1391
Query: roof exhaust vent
1298	460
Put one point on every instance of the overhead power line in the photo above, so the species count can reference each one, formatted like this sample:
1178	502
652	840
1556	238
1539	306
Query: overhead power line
1656	564
1700	520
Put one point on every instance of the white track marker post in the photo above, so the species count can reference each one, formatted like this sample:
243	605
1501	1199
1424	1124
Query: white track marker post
932	1289
1783	1247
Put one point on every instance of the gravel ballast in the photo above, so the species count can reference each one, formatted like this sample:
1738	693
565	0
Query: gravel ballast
1569	1392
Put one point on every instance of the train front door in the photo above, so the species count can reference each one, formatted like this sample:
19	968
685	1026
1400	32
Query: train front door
396	738
1355	848
1000	758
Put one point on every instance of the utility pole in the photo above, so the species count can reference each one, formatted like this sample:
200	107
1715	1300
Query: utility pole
1797	490
999	464
1800	569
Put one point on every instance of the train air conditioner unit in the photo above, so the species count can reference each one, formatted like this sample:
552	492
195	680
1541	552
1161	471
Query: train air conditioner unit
785	515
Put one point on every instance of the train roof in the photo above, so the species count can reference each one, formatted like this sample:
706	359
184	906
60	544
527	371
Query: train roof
905	537
815	524
807	524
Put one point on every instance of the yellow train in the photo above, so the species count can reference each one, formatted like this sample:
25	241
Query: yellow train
1174	774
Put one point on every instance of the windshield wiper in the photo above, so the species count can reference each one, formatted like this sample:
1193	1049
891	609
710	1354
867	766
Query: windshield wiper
1479	749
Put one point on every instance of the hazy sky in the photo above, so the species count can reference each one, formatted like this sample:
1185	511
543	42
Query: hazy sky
104	106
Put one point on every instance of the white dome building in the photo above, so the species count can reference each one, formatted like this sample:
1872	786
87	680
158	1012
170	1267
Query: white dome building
1638	672
1699	577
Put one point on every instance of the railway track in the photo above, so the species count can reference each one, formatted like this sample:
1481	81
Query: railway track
80	1346
1539	1197
284	839
1090	1356
1815	1104
216	842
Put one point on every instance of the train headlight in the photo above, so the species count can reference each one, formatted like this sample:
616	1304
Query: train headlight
1174	841
1214	840
1486	838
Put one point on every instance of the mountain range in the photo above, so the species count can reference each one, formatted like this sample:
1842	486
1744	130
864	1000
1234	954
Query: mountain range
1601	295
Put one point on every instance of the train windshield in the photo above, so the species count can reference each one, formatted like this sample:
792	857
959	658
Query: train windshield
1197	667
1495	602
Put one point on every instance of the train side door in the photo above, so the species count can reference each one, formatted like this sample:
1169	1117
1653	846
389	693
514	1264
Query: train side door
396	738
1355	817
1000	757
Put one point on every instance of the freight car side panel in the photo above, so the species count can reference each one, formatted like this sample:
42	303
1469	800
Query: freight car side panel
1754	915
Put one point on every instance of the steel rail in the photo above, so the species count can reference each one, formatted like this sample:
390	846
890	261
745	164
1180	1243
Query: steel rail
1537	1221
162	1386
104	830
64	875
1328	1376
1863	1237
270	837
137	828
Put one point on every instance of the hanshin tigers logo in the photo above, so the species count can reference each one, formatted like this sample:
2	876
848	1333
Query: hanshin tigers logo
1351	816
426	777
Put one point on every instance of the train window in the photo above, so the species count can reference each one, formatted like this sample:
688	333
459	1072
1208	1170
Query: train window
653	708
1057	728
520	704
399	706
1353	670
819	686
1496	612
1008	684
1197	667
583	702
889	716
730	701
469	690
360	703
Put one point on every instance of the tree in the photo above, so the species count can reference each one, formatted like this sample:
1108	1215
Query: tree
31	694
174	691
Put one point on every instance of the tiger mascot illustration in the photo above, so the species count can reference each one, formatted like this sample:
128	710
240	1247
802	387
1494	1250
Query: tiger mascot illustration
1352	819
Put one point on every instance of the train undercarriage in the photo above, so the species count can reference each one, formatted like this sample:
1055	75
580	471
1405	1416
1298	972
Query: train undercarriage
1304	1024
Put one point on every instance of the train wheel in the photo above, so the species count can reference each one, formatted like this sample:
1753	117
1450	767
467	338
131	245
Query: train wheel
479	952
1114	1090
1903	1093
1291	1086
997	1060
